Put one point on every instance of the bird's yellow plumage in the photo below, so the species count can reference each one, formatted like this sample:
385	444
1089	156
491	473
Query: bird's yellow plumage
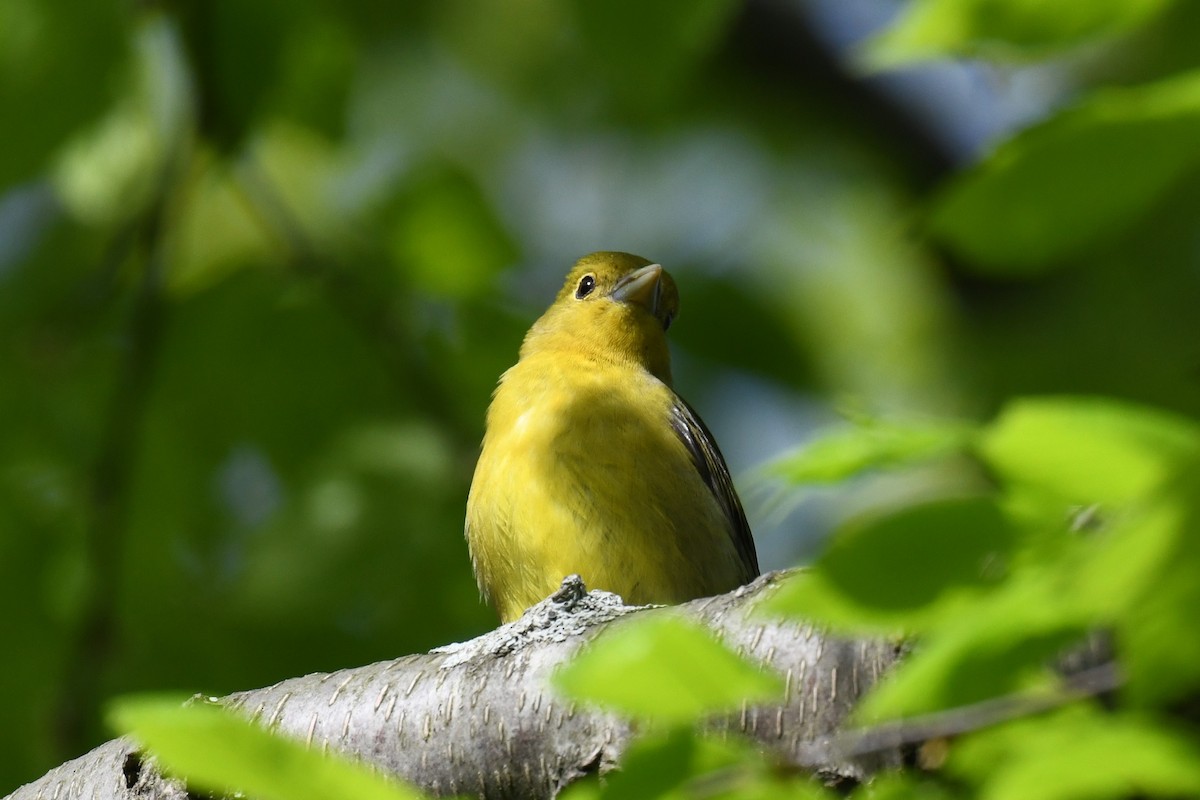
591	464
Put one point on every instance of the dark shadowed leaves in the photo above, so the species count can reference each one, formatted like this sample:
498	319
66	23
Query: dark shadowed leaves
1063	187
905	568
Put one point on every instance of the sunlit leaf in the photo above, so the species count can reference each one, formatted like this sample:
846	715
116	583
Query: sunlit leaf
1159	633
903	567
945	28
216	233
1119	563
214	749
111	171
1087	450
663	667
448	239
849	451
1060	187
902	786
682	764
1080	753
57	66
289	182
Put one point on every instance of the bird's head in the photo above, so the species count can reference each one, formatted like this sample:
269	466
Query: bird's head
615	306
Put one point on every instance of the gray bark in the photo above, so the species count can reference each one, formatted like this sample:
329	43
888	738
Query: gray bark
480	717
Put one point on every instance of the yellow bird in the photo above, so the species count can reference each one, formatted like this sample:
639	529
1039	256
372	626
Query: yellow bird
591	464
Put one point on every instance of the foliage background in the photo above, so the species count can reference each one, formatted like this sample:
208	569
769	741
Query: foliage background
261	264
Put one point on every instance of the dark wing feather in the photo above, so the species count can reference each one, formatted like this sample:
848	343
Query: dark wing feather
709	462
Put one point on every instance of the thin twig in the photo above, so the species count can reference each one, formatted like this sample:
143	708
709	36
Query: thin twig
109	478
956	721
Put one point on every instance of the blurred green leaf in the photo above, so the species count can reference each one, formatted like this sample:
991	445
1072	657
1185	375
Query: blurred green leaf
217	231
909	567
932	29
902	786
319	60
1088	450
645	50
288	182
658	766
1062	187
110	172
448	239
663	667
1120	562
683	764
764	344
1077	753
810	596
56	64
1161	638
870	445
214	749
285	494
1159	633
999	643
239	51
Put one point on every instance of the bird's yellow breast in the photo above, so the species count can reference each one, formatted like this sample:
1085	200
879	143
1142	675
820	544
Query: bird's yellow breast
581	472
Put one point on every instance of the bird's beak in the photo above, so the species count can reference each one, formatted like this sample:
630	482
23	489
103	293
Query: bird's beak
642	287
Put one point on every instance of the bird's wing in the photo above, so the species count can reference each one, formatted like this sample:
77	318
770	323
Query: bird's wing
709	462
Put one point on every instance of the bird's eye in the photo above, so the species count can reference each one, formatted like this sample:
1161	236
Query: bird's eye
586	285
667	320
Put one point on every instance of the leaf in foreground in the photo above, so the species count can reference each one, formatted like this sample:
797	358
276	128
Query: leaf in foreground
948	28
1058	189
1000	643
214	749
1080	752
850	451
1088	449
665	668
908	568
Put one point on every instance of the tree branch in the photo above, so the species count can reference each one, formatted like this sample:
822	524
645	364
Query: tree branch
1093	681
481	718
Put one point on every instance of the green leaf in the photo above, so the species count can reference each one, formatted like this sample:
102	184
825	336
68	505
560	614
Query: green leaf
213	748
1057	189
645	50
72	53
996	645
683	764
1087	450
1161	639
1079	753
946	28
850	451
242	52
109	173
658	766
1159	631
447	237
905	568
902	786
663	667
1120	563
